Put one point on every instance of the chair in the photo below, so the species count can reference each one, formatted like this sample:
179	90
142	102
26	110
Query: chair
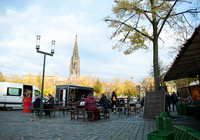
133	108
121	107
81	109
73	114
138	110
91	115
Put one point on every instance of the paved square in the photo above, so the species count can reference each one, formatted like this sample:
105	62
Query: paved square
17	125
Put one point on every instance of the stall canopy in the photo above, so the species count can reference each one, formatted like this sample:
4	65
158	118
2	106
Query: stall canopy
187	62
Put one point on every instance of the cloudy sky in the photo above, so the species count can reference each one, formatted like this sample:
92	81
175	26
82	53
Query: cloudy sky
61	20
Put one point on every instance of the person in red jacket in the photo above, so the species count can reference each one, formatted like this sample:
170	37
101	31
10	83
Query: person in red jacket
91	103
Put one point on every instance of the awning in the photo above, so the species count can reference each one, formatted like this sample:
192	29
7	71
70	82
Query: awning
187	62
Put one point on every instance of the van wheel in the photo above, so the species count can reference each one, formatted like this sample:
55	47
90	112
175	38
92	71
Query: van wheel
7	108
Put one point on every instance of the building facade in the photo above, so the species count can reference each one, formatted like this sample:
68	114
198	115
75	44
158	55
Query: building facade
74	71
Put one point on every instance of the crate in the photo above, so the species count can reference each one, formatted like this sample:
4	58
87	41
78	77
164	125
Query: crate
159	122
160	135
184	106
179	112
179	109
181	132
167	123
164	114
193	136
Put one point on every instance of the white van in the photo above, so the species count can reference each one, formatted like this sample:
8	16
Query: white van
12	94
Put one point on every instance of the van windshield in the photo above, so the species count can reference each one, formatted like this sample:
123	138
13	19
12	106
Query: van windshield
37	93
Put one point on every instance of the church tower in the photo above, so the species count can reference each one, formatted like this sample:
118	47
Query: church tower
74	72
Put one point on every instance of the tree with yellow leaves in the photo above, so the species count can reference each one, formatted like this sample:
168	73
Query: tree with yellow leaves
139	21
98	87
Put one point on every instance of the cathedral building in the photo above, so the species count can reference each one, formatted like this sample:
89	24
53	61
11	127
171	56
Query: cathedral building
74	72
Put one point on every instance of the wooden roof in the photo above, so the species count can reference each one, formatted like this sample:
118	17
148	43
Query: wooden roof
187	62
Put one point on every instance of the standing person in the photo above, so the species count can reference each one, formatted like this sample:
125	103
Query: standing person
114	100
168	101
174	100
142	102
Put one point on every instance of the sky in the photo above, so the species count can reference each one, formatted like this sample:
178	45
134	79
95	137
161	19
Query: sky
62	20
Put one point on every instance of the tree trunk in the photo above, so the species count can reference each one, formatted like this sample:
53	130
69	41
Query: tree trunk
155	48
155	63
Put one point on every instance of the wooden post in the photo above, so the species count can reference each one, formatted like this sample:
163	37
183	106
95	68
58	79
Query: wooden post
199	79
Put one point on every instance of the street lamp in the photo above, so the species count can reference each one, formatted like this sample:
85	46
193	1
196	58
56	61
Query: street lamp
45	53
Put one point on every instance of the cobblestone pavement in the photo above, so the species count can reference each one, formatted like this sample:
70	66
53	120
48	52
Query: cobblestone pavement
16	125
188	121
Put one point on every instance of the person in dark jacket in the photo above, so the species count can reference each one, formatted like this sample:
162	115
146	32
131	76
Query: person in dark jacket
50	105
142	102
121	101
168	101
37	102
103	103
91	103
174	100
82	99
114	100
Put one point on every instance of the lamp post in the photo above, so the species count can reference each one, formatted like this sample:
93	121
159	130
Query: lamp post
45	53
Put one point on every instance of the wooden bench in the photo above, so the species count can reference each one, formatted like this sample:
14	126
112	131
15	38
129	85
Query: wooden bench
106	113
63	109
37	110
91	115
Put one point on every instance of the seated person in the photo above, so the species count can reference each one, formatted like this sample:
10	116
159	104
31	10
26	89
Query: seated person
82	99
103	103
121	101
37	102
50	105
132	101
86	106
91	103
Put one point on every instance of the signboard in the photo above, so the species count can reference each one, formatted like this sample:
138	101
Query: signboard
154	104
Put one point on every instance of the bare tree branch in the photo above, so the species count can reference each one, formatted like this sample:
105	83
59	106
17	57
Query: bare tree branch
145	35
187	11
121	26
129	31
166	17
187	20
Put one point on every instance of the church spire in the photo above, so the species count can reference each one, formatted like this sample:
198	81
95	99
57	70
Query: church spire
74	71
75	52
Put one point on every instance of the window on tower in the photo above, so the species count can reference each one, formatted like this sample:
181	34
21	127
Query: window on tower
71	71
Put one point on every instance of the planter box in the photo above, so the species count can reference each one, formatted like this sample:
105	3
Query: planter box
193	136
160	135
159	122
181	132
